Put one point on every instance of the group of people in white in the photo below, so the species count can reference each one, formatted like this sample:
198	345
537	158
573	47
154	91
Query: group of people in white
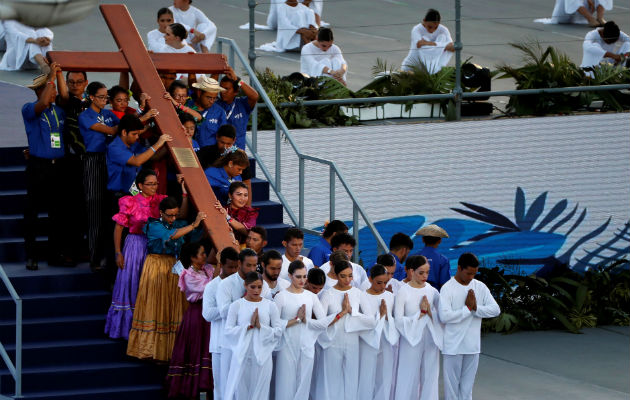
344	336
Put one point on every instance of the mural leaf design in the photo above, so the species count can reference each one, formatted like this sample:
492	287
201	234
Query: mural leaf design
565	219
577	222
535	210
489	216
519	206
553	214
566	257
612	246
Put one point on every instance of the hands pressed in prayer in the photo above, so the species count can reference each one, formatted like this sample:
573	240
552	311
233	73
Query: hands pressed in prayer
345	304
252	321
425	307
471	300
383	309
301	314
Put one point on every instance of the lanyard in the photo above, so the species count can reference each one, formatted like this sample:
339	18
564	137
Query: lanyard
48	121
231	111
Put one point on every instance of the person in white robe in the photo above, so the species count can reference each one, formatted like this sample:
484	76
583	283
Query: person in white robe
3	43
253	328
431	44
271	262
26	47
607	44
377	345
464	301
337	365
231	289
345	243
293	243
315	281
580	11
416	315
305	320
322	57
155	38
228	263
294	19
202	31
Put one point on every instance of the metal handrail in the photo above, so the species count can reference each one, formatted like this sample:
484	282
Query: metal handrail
16	370
276	181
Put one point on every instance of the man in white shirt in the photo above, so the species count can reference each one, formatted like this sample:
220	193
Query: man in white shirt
346	243
272	265
464	301
228	263
293	244
605	44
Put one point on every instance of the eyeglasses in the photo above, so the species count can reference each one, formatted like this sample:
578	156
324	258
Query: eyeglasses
170	215
73	83
101	97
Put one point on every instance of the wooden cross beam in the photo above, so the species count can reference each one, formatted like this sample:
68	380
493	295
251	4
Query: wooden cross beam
144	67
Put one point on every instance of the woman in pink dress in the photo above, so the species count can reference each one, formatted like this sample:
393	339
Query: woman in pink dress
190	371
239	215
134	213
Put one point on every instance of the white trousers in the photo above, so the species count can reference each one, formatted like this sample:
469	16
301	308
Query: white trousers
226	360
375	374
418	370
459	375
216	376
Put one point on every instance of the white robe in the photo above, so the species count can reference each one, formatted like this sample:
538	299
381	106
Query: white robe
359	276
420	344
284	272
3	43
19	54
394	283
155	41
433	57
281	284
313	60
210	312
337	369
251	363
195	18
377	348
272	17
595	48
290	19
296	352
565	11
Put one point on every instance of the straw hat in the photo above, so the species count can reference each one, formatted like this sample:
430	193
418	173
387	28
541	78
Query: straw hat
208	84
432	230
38	82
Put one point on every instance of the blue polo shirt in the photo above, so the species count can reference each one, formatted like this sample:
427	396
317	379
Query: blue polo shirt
320	253
213	118
440	271
96	142
237	114
39	128
400	273
220	182
120	174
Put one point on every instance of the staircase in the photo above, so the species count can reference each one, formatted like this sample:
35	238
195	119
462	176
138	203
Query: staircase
65	352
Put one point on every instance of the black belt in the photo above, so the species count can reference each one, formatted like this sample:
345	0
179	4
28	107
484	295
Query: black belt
47	161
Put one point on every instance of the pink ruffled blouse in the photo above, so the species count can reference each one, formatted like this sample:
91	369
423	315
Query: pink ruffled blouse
136	210
193	283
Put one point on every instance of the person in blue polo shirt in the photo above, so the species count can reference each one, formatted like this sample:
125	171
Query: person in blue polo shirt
212	114
125	156
44	124
98	127
237	109
320	253
227	169
440	267
399	246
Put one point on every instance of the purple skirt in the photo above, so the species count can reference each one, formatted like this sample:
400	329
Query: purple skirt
120	312
190	371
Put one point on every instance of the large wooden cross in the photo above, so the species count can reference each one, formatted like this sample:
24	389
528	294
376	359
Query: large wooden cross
133	57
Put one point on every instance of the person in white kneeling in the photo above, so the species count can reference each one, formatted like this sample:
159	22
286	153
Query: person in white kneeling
572	11
464	301
26	47
604	44
202	30
296	26
155	38
322	57
431	44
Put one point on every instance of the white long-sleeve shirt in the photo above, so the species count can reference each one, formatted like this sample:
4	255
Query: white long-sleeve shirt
210	312
284	272
196	19
595	48
462	327
313	60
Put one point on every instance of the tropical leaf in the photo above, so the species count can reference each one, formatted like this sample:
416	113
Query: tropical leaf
534	211
553	214
564	320
565	219
577	222
567	255
519	206
492	216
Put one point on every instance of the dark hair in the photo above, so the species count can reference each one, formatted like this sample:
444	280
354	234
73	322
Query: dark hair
178	30
228	253
238	157
129	123
295	265
316	276
226	79
324	35
252	277
261	231
431	240
76	72
377	270
177	84
235	185
293	233
432	15
227	130
386	260
246	253
414	262
334	226
400	240
168	203
164	10
468	260
114	90
342	238
188	251
185	117
143	174
611	31
340	266
94	87
270	255
337	256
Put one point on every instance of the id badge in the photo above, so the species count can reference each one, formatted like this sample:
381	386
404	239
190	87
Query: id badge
55	140
133	189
